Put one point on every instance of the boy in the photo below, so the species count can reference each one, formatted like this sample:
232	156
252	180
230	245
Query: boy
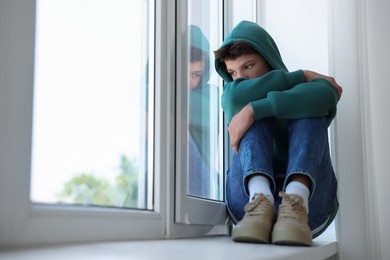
278	129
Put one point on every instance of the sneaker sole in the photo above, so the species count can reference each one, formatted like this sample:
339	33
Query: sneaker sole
250	236
292	238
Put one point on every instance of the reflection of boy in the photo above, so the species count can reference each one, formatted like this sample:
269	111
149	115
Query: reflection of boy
201	107
195	68
278	129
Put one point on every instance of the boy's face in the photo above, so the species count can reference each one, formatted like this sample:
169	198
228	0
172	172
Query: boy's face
247	66
195	73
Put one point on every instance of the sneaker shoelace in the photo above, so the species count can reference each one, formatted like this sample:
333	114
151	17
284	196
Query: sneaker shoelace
292	207
254	208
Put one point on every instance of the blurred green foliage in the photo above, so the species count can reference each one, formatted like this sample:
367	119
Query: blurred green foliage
88	189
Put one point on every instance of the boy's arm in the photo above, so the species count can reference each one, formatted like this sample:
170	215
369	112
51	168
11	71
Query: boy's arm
311	99
316	98
311	75
240	92
247	90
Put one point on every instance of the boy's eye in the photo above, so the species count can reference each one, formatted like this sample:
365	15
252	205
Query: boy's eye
248	66
196	75
232	73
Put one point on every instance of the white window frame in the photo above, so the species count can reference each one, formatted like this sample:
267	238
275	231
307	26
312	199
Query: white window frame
24	223
189	210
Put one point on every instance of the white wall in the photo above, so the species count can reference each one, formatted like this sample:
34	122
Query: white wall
359	46
378	54
302	45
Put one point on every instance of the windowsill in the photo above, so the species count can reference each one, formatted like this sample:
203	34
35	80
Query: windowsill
216	248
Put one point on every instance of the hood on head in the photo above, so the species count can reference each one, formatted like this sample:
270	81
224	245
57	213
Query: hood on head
259	39
198	40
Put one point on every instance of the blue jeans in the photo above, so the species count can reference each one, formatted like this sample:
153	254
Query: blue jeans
306	152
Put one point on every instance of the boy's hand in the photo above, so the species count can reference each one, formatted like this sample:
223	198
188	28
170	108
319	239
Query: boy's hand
240	123
310	75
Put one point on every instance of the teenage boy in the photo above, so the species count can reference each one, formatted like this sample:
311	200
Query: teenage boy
277	123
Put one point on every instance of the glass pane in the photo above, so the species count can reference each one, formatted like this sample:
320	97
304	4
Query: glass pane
205	175
91	103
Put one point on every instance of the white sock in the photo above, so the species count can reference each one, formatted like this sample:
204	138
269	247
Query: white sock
260	184
300	189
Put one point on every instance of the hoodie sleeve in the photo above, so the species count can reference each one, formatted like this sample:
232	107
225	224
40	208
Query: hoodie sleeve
309	99
240	92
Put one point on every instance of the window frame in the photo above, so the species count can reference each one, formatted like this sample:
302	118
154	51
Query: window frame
26	223
188	208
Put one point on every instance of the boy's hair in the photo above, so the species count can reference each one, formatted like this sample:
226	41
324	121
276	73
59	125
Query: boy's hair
198	55
195	54
234	50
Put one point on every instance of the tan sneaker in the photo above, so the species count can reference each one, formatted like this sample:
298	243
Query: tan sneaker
256	225
292	226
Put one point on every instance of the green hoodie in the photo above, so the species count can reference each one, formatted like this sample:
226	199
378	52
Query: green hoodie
279	93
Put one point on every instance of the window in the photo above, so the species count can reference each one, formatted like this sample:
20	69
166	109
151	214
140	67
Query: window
200	190
96	53
66	61
91	120
204	168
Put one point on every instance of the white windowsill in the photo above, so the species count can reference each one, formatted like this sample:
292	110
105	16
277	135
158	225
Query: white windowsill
216	248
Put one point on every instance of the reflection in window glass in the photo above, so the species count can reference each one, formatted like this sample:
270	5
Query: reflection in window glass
90	103
205	177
